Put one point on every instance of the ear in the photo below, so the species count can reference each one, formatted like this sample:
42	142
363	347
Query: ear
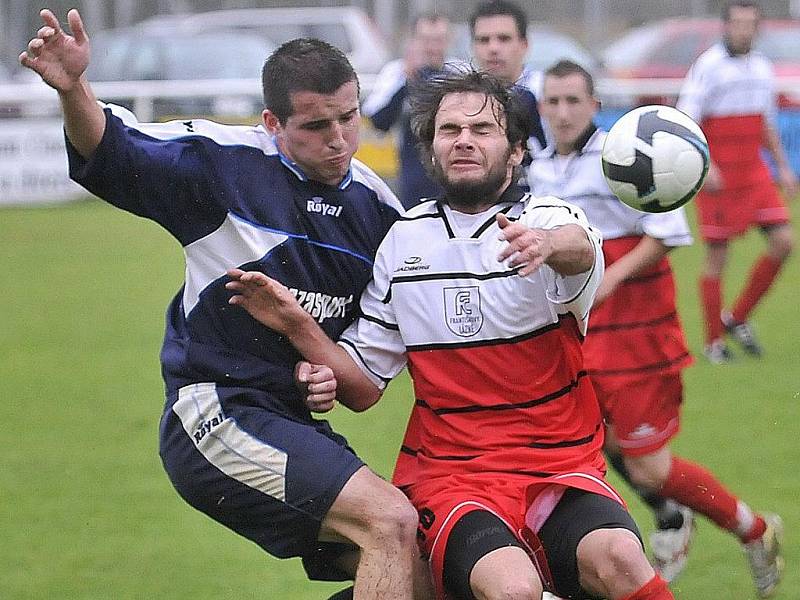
517	154
271	122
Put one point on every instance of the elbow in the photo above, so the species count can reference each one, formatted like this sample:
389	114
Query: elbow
363	399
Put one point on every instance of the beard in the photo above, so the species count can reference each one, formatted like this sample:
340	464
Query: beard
475	192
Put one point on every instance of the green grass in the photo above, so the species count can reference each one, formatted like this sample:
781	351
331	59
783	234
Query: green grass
87	512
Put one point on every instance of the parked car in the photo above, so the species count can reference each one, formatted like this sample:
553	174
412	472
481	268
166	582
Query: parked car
546	46
667	48
171	51
348	28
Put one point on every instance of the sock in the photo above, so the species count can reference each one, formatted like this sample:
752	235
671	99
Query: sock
751	527
696	487
762	275
655	589
346	594
666	512
711	298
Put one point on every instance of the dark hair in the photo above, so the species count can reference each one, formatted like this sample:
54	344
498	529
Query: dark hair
726	9
494	8
303	65
426	96
431	16
565	67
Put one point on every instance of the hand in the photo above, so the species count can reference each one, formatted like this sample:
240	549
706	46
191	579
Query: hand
526	246
714	182
60	59
319	385
788	181
267	300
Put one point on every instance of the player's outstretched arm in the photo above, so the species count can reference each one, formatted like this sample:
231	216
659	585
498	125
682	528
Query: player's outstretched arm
60	60
273	305
566	249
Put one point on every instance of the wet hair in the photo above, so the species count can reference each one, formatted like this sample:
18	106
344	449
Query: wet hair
564	67
426	96
726	9
303	65
495	8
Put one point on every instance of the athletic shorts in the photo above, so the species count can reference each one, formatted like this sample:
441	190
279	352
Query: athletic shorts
522	503
644	411
266	476
727	214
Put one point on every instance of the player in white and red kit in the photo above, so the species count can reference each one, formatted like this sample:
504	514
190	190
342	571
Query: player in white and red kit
484	294
635	350
729	90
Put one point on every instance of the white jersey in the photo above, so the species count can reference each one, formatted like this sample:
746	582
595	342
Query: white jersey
721	85
578	178
437	283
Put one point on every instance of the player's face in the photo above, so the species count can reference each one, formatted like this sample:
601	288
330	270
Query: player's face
568	109
741	28
473	159
431	38
498	47
321	136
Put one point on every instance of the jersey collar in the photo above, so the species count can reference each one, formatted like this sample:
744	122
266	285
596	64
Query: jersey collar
580	144
298	171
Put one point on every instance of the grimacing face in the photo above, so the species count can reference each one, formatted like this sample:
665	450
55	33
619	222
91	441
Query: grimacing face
568	108
472	156
321	135
498	47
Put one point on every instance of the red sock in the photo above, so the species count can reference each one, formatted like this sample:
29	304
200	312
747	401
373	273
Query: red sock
655	589
762	275
756	531
711	297
695	487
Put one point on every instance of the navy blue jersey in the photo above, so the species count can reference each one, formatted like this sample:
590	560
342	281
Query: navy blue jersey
233	200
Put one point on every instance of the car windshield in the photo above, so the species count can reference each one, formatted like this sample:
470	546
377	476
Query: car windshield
633	48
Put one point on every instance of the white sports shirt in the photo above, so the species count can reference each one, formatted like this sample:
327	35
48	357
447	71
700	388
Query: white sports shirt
578	178
437	284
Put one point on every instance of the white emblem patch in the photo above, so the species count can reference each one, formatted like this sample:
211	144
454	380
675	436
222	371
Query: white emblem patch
462	310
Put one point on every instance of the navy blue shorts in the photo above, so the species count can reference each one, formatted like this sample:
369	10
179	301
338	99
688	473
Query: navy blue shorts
265	475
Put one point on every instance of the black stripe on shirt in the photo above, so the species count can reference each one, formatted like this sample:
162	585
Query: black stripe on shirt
449	275
644	369
363	362
377	321
566	443
634	324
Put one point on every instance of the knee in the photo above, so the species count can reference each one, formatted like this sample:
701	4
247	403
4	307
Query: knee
620	565
648	474
782	244
390	516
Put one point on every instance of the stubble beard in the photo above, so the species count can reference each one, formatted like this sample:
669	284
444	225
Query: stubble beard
474	193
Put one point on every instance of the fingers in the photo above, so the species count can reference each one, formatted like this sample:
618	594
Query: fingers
319	384
76	25
48	18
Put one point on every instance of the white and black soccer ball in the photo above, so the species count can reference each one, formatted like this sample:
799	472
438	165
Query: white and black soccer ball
655	158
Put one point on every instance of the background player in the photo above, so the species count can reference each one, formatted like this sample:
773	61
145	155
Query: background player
387	105
635	348
236	438
491	454
730	91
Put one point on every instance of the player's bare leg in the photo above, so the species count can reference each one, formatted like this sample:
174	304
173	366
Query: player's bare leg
379	519
612	564
506	573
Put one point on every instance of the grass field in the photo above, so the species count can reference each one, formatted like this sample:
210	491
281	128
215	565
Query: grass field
87	512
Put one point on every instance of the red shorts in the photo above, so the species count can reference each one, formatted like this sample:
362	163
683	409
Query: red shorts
729	213
523	502
645	411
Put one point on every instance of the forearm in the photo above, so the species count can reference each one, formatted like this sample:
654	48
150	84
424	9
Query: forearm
644	255
354	389
572	251
773	143
84	120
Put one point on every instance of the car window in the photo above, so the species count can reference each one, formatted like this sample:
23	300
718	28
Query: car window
679	50
780	45
333	33
632	48
547	47
145	62
214	56
109	55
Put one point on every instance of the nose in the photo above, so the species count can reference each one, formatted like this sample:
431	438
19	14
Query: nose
336	139
464	139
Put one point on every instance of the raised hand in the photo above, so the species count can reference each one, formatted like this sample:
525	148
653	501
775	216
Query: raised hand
527	247
59	58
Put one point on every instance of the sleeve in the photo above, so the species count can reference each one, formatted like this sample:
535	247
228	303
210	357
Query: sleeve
670	227
384	106
569	293
373	340
158	171
691	98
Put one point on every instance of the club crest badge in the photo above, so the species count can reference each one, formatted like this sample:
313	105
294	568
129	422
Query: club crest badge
462	310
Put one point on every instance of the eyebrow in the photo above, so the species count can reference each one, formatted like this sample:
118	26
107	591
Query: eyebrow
324	121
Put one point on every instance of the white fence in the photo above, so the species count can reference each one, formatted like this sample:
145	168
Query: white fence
33	166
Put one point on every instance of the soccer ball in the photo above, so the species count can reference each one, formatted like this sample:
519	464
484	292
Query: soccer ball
655	158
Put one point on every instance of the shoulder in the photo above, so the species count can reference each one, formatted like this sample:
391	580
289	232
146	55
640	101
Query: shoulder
365	176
